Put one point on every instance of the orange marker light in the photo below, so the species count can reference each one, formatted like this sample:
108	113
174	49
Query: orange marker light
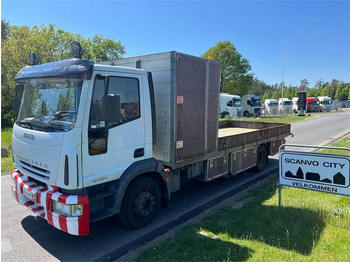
210	57
167	170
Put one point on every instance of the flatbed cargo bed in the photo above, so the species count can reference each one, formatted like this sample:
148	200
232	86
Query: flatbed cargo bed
229	131
244	133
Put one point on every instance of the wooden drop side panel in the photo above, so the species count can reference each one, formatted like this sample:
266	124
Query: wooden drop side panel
190	108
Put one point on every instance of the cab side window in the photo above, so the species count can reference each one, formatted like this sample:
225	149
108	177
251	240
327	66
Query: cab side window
128	90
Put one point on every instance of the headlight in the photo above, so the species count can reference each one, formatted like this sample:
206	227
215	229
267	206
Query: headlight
67	210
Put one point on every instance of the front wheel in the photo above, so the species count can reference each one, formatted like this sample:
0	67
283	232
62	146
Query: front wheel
246	114
261	159
224	114
141	203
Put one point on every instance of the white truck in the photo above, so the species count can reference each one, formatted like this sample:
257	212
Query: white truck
325	103
285	106
230	105
96	140
271	106
251	105
295	104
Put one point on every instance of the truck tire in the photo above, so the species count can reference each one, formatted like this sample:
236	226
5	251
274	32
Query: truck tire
246	114
141	203
224	114
261	158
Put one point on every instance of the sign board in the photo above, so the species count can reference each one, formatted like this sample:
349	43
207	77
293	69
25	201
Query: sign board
302	101
314	171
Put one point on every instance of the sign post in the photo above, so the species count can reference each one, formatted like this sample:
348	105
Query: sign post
314	171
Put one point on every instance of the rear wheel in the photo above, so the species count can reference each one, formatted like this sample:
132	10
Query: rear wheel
261	159
141	203
246	114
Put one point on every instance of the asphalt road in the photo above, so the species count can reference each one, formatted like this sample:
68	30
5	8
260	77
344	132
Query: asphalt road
26	237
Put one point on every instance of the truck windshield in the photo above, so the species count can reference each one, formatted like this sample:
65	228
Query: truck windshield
50	104
287	103
256	102
237	102
274	103
314	102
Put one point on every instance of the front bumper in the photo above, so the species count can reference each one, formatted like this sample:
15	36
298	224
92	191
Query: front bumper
39	200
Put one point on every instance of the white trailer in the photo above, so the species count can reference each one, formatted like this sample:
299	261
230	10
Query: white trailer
230	105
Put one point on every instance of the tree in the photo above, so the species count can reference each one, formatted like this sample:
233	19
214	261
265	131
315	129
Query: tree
319	84
258	88
4	29
304	82
50	44
235	76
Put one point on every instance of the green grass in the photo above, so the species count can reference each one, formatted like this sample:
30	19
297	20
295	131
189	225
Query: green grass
345	142
6	162
311	226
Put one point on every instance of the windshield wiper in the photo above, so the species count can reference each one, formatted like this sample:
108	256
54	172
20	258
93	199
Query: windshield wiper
24	123
50	128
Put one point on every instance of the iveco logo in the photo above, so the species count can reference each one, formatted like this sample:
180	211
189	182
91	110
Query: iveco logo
29	136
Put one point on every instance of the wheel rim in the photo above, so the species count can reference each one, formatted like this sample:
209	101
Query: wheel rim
144	203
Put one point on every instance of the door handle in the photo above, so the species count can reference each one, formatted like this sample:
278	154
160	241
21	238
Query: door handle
140	152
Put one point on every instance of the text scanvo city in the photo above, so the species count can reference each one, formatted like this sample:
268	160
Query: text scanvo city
313	163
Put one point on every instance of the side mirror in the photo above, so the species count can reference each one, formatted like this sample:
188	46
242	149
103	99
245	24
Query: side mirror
248	102
19	88
111	108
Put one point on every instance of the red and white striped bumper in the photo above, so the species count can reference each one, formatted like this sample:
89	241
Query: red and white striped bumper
39	199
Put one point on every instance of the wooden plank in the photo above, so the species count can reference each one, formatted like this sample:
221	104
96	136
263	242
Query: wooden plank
225	132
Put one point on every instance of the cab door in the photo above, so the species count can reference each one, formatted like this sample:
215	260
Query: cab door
110	148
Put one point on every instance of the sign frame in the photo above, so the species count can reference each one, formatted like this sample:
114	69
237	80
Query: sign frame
307	169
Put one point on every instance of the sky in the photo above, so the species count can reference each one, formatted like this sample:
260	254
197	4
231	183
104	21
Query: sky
315	34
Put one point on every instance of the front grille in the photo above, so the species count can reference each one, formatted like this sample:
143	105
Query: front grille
257	110
35	170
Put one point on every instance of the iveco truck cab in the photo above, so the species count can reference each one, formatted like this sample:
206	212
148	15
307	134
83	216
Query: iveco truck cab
94	140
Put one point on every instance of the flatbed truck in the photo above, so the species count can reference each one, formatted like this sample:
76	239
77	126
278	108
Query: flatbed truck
94	140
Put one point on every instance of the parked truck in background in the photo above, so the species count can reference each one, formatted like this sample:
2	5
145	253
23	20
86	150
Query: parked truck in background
285	106
230	105
325	103
251	105
295	104
312	104
96	140
271	107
